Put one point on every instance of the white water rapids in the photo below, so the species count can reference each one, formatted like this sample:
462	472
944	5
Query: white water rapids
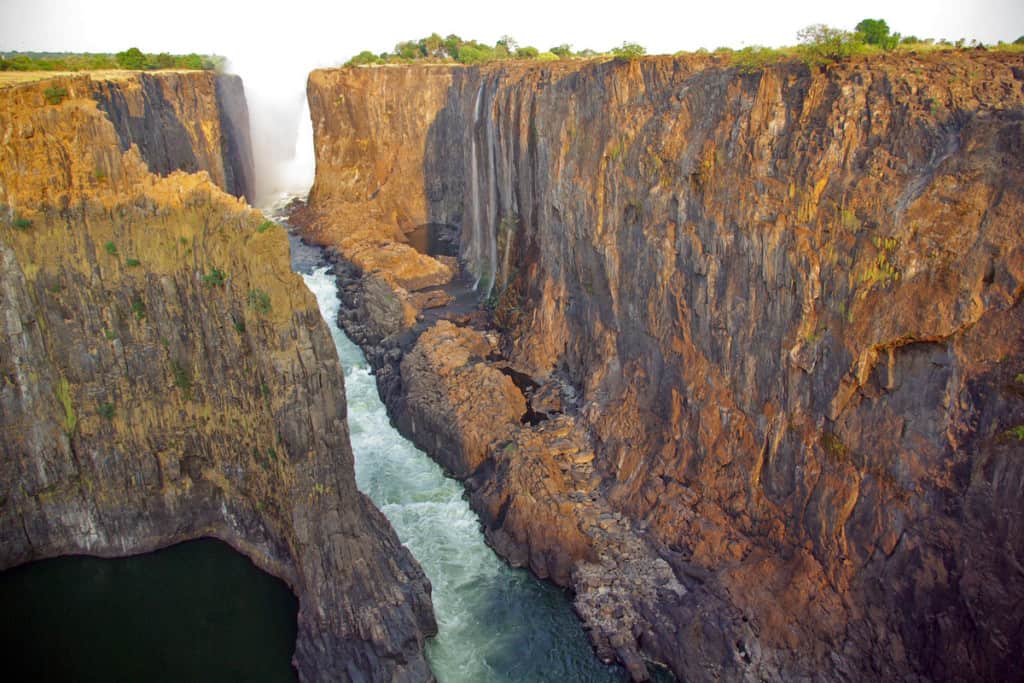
495	623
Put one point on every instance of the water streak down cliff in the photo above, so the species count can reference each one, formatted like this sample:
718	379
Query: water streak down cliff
780	311
166	376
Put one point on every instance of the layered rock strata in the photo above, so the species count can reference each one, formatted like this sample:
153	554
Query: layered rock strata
166	376
784	305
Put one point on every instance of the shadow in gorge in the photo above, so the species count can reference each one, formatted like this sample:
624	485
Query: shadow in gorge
197	611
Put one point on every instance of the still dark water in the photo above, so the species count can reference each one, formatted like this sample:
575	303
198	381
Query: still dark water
198	611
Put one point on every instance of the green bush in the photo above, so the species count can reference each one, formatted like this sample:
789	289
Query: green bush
876	32
755	57
21	223
132	262
55	95
215	278
139	308
628	51
107	411
363	58
111	248
132	58
266	225
822	44
182	380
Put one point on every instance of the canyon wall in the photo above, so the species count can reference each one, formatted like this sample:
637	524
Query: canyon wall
771	325
166	376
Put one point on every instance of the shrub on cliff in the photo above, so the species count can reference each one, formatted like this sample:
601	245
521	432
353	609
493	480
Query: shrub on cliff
628	51
821	44
363	58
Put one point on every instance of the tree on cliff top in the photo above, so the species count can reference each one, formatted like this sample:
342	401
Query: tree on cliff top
876	32
132	58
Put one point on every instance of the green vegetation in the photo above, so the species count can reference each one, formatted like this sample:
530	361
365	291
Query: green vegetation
822	44
21	223
132	262
139	308
876	32
64	395
1016	432
55	95
133	58
818	45
182	380
259	301
215	278
628	51
107	411
266	225
109	334
239	326
453	48
1019	379
110	248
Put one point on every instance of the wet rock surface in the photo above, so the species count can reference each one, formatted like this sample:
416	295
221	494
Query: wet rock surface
167	377
787	304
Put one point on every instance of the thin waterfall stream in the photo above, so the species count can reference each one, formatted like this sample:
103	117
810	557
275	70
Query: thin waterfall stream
495	623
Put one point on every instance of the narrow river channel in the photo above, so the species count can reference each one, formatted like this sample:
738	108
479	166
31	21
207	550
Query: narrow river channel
495	623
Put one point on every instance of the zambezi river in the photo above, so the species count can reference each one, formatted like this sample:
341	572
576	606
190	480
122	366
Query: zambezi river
495	623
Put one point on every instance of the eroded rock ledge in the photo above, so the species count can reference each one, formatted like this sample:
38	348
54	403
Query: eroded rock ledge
782	309
166	376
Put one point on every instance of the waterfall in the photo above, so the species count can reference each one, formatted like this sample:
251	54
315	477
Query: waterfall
508	198
492	201
475	250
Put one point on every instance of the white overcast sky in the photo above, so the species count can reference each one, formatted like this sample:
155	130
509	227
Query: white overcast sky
333	31
274	45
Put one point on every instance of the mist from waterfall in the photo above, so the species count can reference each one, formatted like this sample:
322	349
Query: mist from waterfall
279	125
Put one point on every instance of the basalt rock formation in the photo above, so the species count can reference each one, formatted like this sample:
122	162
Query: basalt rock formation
767	325
166	376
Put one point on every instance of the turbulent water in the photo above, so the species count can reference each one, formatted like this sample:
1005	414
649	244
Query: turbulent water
495	623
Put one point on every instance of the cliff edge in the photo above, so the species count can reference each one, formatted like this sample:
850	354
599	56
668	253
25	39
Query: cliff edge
767	324
166	376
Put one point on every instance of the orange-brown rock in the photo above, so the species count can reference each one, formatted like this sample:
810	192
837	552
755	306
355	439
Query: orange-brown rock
166	376
456	405
790	303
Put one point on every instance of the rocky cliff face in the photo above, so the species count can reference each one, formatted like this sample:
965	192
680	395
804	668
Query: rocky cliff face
776	317
166	376
183	122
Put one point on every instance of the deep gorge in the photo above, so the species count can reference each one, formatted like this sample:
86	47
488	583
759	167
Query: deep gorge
774	318
734	355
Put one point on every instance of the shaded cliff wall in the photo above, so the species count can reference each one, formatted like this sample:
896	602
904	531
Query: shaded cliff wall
166	376
790	303
187	121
